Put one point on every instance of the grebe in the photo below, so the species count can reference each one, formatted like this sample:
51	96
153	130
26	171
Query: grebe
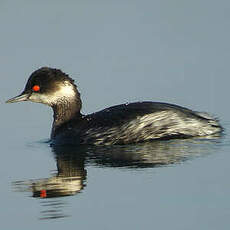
120	124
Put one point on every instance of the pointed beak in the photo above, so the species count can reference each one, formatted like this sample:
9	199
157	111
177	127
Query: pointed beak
22	97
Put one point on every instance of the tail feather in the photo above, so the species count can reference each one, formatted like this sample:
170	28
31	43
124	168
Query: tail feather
213	121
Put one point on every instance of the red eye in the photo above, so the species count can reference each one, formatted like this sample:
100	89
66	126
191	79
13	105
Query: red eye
36	88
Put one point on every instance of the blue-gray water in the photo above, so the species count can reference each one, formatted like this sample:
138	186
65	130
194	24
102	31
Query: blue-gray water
117	51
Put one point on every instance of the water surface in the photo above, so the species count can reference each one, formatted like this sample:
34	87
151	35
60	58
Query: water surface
117	52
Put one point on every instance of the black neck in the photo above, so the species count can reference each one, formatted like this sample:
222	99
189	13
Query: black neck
65	111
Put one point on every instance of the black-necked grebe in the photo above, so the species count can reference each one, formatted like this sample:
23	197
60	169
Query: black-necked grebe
120	124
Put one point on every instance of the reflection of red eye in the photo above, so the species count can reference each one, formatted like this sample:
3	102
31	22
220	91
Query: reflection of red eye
43	193
36	88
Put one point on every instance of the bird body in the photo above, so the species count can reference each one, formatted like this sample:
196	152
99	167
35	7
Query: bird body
120	124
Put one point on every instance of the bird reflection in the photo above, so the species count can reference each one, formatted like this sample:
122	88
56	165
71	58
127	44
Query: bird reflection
72	161
68	180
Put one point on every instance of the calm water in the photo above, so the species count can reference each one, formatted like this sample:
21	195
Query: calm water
176	52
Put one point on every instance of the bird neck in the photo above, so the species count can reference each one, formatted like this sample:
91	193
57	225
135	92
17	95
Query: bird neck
65	110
